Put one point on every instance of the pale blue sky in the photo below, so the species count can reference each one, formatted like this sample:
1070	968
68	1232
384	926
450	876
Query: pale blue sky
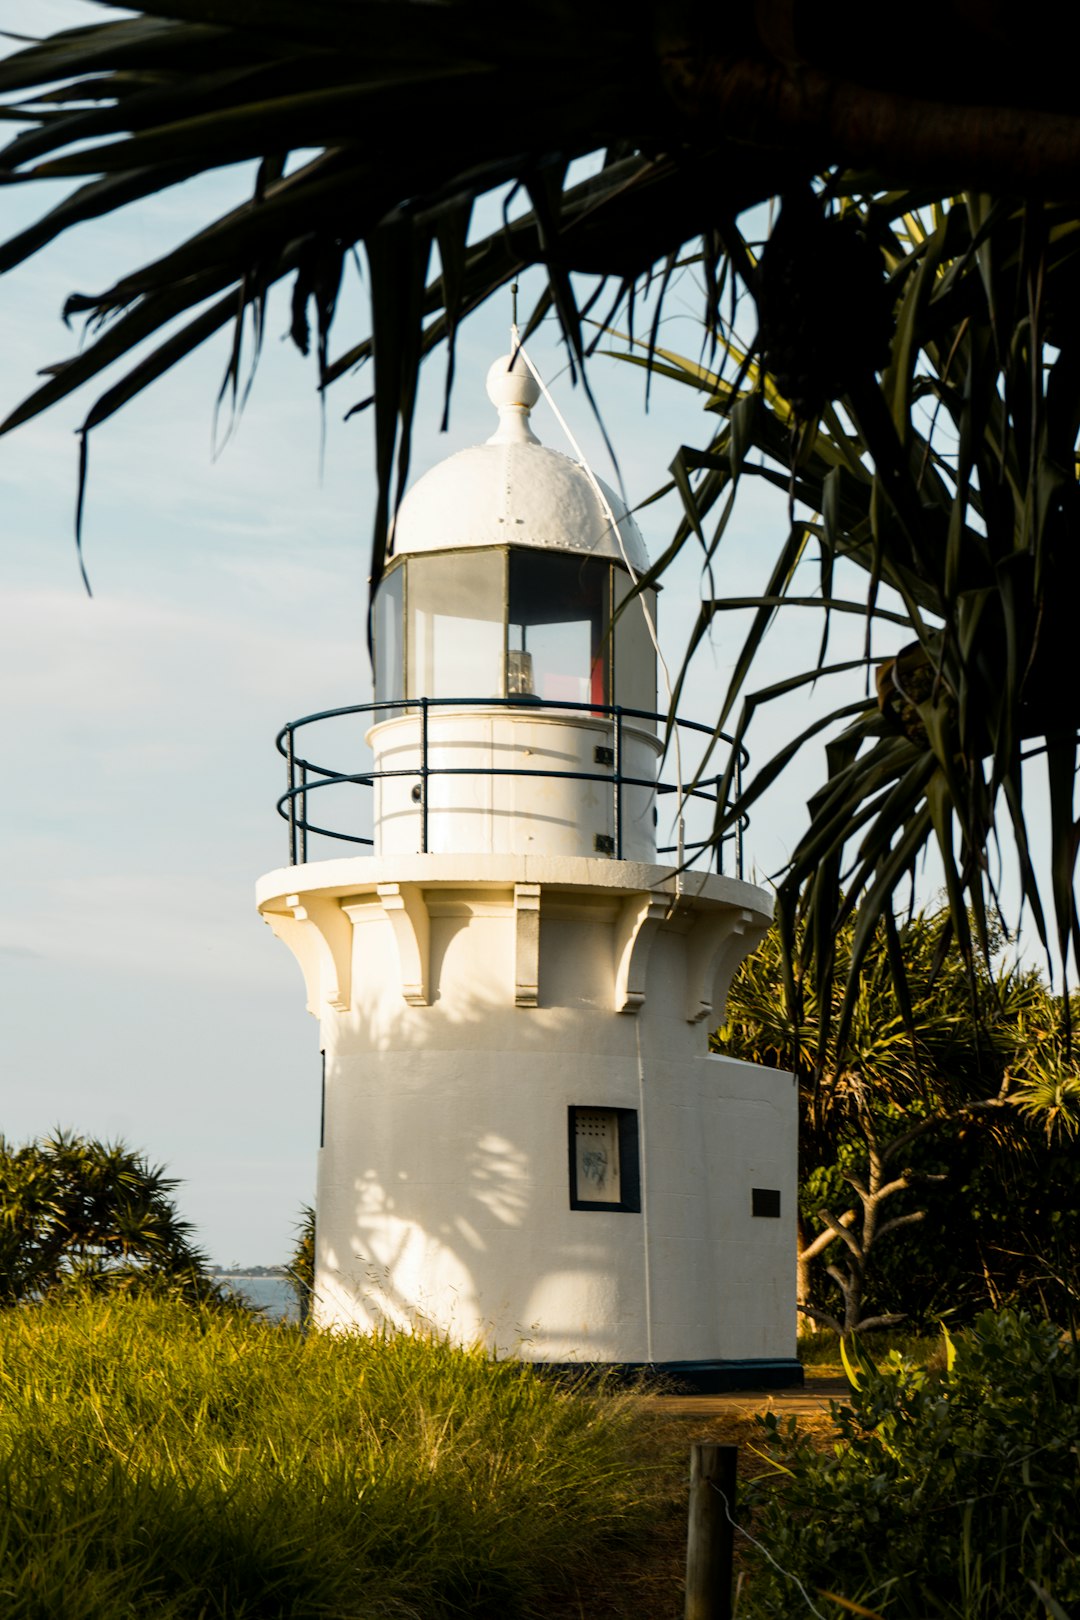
142	997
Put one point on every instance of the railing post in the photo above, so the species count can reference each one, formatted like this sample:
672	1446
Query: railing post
738	820
616	760
291	782
710	1535
303	813
423	776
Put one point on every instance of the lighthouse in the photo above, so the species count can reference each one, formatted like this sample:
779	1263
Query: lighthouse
525	1141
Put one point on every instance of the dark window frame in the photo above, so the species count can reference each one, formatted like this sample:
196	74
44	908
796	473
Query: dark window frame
629	1160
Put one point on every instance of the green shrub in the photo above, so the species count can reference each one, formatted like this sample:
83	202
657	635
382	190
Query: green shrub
946	1495
168	1463
84	1214
301	1268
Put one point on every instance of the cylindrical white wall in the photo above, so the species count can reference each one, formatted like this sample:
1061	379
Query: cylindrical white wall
548	814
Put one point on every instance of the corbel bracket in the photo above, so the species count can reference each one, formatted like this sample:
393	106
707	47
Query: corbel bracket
718	942
634	931
303	943
408	915
526	944
320	936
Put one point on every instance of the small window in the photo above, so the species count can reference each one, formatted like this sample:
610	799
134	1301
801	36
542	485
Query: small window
765	1201
604	1164
322	1103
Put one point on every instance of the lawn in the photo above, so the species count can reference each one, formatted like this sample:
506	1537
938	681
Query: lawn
165	1463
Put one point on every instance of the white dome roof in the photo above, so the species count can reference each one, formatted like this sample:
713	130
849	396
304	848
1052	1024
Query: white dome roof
515	491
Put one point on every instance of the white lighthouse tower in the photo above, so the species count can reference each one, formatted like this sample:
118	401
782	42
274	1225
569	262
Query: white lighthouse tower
525	1140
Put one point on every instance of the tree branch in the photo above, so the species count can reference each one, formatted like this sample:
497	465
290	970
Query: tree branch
802	109
900	1220
840	1231
857	1182
937	1121
912	1134
823	1239
820	1316
899	1185
870	1322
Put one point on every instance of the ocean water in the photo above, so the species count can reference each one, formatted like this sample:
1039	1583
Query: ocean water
272	1294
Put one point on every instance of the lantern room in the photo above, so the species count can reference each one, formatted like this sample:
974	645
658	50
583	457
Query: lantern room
508	613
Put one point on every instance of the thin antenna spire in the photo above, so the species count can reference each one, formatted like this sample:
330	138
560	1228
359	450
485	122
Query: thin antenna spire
513	312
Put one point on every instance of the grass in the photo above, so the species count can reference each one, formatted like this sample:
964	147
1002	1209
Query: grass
820	1352
161	1463
164	1463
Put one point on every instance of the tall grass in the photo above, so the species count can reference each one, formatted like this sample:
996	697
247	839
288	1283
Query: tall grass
157	1462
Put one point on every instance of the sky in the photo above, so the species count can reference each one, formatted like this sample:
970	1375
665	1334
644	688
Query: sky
141	997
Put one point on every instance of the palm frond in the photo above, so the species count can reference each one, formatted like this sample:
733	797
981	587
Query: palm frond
960	514
939	457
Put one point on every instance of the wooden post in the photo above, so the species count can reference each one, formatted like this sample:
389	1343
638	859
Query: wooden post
710	1536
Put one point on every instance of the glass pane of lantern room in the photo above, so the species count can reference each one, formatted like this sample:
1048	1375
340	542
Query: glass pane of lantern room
455	608
557	645
635	655
389	659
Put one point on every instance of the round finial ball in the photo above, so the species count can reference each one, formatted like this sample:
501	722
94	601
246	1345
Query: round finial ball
512	386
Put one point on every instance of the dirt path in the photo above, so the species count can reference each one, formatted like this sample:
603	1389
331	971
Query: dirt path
810	1401
649	1578
731	1419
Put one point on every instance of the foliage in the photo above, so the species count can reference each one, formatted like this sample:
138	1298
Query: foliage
75	1211
948	480
301	1267
159	1461
822	1349
929	1047
917	1127
696	119
949	487
1046	1076
950	1494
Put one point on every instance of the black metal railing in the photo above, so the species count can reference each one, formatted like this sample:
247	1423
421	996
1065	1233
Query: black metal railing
306	777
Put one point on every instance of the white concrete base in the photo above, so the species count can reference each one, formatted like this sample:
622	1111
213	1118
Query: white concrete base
467	1004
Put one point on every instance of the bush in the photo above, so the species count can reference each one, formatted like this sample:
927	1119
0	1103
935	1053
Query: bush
80	1213
161	1461
300	1271
951	1494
